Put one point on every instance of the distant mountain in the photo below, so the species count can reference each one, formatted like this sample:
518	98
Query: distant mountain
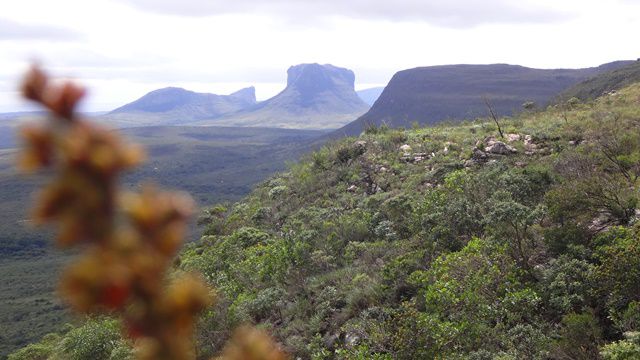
370	95
614	79
428	95
316	97
175	106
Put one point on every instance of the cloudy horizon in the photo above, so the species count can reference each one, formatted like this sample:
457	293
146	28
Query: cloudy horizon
122	49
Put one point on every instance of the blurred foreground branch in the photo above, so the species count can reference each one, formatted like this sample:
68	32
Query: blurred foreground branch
129	240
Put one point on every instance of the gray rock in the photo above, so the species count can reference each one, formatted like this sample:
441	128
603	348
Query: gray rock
490	140
478	154
513	137
528	139
360	144
501	148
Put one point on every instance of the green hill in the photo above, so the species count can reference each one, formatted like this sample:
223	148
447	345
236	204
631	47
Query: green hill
603	83
447	242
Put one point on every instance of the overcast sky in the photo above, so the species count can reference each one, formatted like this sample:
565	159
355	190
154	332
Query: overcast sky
122	49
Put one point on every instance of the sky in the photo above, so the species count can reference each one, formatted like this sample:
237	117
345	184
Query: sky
122	49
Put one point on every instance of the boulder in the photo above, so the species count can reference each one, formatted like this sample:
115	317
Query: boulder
528	139
478	154
500	148
513	137
490	140
405	148
360	144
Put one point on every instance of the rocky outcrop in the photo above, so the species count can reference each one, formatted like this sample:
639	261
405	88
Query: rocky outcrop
500	148
316	97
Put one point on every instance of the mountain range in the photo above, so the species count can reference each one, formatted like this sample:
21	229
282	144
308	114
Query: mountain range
316	97
323	97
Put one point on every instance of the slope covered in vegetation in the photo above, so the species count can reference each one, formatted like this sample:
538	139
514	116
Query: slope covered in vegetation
605	82
431	94
446	242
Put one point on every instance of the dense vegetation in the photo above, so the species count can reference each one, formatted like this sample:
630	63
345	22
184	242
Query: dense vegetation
182	158
445	242
604	83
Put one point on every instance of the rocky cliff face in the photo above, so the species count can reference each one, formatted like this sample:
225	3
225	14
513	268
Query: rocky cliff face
316	97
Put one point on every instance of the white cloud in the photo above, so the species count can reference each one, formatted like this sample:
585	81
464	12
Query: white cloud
125	51
12	30
449	13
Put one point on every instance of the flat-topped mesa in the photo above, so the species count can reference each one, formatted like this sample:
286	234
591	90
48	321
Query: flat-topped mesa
316	97
432	94
313	79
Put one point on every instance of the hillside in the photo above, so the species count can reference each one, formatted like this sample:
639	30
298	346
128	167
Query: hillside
316	97
428	95
182	158
444	242
603	83
176	106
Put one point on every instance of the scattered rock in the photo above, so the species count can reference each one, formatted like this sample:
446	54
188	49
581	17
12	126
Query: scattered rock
360	144
351	340
478	155
417	157
447	146
513	137
501	148
600	223
352	188
405	148
490	140
521	164
330	341
528	139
